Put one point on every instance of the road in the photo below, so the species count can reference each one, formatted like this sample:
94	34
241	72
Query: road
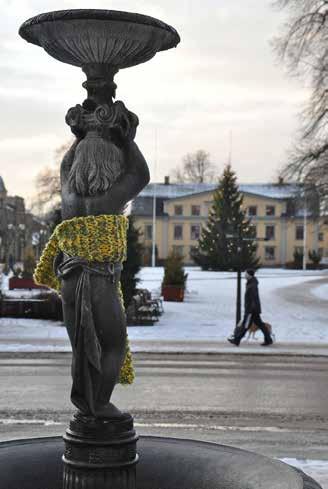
275	405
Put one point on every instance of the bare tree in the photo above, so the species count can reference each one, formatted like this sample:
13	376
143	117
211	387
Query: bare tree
196	167
303	47
47	184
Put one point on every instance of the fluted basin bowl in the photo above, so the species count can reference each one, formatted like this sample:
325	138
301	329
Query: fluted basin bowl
165	463
83	36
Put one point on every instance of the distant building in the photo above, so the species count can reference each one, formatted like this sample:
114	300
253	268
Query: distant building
19	228
182	210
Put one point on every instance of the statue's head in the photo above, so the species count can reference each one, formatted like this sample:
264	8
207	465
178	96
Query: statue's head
98	160
97	165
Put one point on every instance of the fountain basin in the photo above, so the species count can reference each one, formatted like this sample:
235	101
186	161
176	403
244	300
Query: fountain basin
165	463
83	36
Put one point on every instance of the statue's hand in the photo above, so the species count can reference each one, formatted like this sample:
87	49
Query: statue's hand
57	261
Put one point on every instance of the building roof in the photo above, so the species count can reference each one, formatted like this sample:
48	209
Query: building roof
176	190
143	206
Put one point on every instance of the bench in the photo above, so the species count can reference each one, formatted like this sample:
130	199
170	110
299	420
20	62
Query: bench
143	309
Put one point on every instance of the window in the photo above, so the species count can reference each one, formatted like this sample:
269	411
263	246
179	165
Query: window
194	231
269	253
299	250
195	210
269	232
320	237
178	231
252	211
321	252
149	231
270	210
178	210
299	234
178	250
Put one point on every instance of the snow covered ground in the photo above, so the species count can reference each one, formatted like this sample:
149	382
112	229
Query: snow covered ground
208	312
16	293
321	292
318	469
294	302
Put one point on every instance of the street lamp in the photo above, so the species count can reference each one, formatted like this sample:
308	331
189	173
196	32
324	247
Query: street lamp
238	294
304	234
239	249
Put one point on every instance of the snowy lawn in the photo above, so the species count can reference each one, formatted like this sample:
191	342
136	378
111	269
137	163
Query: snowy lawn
294	302
208	312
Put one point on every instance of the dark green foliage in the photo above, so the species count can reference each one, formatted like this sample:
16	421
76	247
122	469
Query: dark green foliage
133	263
298	259
174	273
227	242
315	258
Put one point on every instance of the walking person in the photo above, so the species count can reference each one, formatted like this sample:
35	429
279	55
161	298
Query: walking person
252	312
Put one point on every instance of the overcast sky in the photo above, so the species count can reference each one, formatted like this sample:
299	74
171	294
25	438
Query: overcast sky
222	78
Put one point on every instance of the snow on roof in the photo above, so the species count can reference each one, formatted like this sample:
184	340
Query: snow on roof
176	190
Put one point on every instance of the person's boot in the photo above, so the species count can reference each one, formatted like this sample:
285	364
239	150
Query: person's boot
267	342
234	341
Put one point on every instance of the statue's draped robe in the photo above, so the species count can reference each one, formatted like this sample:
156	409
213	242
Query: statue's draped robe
93	245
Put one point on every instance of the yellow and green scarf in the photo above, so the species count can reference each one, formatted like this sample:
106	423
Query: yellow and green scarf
93	238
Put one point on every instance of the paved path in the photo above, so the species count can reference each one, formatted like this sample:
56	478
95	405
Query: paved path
273	405
302	294
224	347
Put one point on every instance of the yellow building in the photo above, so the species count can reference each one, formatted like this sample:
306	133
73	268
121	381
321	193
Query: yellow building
182	210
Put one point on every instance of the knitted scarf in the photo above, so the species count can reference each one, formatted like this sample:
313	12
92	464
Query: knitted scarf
95	239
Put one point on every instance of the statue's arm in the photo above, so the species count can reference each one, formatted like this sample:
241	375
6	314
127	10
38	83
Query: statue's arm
134	179
67	161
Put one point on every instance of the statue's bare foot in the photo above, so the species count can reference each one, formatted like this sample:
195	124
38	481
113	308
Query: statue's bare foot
108	411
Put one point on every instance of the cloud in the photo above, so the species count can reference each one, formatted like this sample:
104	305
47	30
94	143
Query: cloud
222	77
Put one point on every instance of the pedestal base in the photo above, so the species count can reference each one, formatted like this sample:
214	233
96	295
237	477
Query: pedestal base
165	463
100	454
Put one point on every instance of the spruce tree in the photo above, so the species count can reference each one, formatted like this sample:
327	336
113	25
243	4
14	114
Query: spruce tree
227	241
133	263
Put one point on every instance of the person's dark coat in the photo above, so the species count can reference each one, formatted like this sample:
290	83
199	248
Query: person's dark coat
252	299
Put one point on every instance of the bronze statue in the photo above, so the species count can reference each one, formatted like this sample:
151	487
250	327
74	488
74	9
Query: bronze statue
102	171
114	184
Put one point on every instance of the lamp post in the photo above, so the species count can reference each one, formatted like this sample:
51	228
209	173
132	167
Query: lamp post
238	296
304	235
10	240
238	293
153	234
239	270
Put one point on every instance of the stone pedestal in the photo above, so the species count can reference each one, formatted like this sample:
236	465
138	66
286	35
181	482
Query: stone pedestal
100	454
